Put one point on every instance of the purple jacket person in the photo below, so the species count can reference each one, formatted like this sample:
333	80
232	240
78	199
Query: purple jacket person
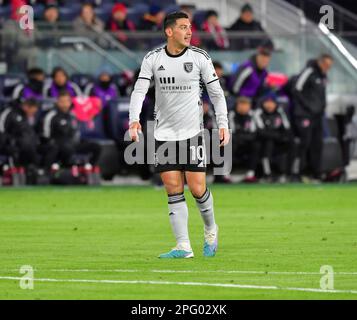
105	92
60	82
250	77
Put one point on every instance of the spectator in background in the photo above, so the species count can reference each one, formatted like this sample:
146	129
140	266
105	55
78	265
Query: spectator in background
275	136
19	44
246	23
218	67
60	82
209	119
104	89
50	23
309	103
87	22
245	146
152	21
61	131
211	26
250	78
119	22
35	84
51	14
19	126
195	39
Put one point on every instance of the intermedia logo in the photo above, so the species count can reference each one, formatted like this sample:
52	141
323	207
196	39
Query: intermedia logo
167	80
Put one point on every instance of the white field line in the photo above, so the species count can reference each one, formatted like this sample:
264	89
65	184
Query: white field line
200	284
187	271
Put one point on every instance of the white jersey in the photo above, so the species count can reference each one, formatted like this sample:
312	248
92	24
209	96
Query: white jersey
179	81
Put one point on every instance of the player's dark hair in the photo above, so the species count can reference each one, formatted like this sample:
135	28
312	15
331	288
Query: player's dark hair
171	18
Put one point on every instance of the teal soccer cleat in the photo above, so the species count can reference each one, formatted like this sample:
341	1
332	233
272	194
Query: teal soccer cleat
176	253
211	243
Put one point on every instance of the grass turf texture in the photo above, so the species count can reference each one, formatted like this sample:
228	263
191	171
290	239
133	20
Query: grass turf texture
262	228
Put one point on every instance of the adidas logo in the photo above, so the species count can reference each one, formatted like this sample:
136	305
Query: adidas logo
161	68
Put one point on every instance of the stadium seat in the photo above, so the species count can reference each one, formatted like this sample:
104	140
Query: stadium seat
82	79
38	10
199	17
3	103
122	82
171	8
47	104
5	12
330	127
103	12
93	129
142	7
162	3
8	82
69	13
331	155
109	159
118	118
135	15
106	2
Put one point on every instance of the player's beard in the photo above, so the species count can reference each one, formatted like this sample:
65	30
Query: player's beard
185	43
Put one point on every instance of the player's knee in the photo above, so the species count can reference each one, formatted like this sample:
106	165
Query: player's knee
197	189
173	187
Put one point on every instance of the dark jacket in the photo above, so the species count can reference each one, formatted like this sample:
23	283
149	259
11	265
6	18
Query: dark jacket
14	125
249	42
240	25
309	92
60	127
244	129
273	126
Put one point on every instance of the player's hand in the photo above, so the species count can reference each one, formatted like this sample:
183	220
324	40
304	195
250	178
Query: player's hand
134	130
224	136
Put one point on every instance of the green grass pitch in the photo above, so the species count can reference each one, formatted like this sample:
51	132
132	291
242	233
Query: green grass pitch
102	243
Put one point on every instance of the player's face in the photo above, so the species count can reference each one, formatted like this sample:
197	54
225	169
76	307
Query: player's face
64	103
181	32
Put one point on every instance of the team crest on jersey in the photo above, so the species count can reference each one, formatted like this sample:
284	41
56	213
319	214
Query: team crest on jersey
188	66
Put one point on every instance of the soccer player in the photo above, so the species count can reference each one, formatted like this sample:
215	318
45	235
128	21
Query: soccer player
179	71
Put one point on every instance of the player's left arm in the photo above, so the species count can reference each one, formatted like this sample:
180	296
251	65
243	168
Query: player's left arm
217	98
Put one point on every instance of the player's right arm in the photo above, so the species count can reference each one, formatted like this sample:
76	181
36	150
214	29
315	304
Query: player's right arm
138	95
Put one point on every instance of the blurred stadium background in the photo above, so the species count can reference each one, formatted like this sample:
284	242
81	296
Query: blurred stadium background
86	46
102	242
